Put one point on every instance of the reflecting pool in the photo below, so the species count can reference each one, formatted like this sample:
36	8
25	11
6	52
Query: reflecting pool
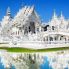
42	60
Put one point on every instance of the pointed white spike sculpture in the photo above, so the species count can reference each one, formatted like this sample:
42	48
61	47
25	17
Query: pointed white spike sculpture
61	14
54	15
6	18
8	11
61	17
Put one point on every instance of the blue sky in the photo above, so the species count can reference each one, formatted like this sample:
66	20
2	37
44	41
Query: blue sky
44	8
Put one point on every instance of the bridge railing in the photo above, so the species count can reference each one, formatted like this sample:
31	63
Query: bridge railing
56	42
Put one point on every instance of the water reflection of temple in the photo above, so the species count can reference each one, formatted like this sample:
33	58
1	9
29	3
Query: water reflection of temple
55	60
21	60
59	60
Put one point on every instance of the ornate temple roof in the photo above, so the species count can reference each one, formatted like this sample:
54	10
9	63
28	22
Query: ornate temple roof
24	14
7	18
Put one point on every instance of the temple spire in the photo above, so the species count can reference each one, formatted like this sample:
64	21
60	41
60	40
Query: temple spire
62	17
32	9
61	14
33	6
8	13
54	15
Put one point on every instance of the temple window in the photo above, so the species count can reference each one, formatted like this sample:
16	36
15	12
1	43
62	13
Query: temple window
51	39
44	39
52	27
38	29
29	29
18	32
26	31
55	38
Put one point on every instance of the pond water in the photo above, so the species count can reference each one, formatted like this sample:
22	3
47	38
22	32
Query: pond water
46	60
2	66
45	65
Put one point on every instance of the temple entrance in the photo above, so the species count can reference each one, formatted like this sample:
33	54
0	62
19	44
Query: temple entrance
32	27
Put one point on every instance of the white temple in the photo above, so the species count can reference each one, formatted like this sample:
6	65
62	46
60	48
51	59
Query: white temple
27	30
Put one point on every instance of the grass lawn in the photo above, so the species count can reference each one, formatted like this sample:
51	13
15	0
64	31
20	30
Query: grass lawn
31	50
